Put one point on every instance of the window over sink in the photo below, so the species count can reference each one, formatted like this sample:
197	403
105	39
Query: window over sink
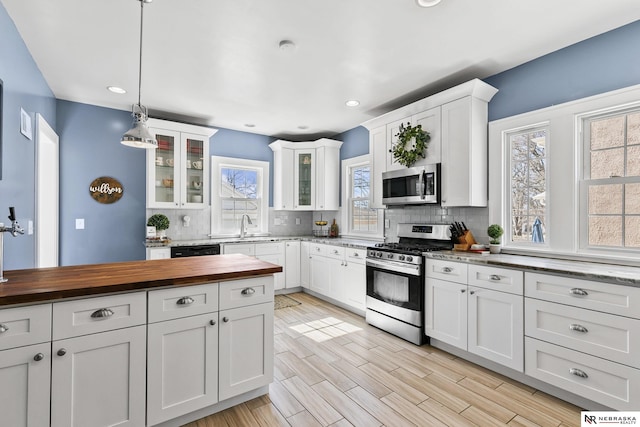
238	187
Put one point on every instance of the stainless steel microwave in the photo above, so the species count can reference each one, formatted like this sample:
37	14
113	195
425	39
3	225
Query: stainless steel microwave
412	186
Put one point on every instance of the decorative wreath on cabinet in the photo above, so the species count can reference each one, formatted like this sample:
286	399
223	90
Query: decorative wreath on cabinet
401	153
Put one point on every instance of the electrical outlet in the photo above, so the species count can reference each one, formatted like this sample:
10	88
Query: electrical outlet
79	223
297	221
30	227
277	221
387	223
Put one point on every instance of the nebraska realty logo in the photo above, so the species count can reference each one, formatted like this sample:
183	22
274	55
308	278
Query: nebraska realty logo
608	418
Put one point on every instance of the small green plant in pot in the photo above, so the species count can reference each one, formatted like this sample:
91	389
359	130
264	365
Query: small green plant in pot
495	232
160	222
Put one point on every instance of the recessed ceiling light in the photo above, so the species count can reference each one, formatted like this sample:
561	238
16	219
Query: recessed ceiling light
427	3
249	125
287	46
116	89
303	127
352	103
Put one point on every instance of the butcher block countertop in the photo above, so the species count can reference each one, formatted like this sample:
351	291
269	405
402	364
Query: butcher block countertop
44	284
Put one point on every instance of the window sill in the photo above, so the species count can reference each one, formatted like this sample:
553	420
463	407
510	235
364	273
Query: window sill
629	260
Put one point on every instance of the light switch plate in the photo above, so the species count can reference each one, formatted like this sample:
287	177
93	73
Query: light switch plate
79	223
297	221
387	223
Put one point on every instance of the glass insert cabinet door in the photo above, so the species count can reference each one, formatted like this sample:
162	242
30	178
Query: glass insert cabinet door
304	185
164	174
194	162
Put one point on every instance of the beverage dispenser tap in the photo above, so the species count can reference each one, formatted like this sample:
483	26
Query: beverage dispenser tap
15	229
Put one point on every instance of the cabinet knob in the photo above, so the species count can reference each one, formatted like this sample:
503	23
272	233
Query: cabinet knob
38	357
578	328
494	277
185	301
3	328
578	373
463	291
248	291
578	291
225	319
102	313
212	322
62	352
472	292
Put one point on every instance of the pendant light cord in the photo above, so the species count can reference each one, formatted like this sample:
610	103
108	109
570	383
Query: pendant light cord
140	59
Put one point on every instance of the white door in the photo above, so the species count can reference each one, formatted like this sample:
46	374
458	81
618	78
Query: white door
99	380
182	366
246	349
47	194
25	374
446	312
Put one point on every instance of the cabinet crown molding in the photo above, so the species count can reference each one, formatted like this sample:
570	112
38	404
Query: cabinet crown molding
475	88
322	142
181	127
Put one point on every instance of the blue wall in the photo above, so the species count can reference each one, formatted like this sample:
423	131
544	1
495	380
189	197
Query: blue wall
356	142
600	64
24	87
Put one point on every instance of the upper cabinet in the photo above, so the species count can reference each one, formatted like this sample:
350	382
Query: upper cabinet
306	175
456	120
178	170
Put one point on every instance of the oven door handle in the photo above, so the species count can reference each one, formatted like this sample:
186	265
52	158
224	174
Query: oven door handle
410	269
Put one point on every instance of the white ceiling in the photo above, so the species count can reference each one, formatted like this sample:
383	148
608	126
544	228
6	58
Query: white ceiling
217	62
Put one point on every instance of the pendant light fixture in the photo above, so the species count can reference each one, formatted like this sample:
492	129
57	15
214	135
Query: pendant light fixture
139	136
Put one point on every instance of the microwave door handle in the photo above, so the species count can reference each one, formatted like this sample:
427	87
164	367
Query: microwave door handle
423	185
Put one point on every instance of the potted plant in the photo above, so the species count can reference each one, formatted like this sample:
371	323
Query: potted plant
160	222
495	232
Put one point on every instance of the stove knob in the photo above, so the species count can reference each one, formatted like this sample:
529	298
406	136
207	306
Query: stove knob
379	254
389	256
409	258
401	257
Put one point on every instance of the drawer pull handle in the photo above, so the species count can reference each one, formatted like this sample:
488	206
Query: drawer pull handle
38	357
578	291
62	352
494	277
248	291
225	319
3	328
185	301
578	328
578	373
212	322
463	291
102	313
447	269
356	254
335	251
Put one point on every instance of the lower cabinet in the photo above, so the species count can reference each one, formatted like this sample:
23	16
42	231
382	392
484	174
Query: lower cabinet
25	375
305	265
320	274
99	379
182	366
158	253
245	349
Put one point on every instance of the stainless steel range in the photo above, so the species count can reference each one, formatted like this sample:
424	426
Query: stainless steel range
395	279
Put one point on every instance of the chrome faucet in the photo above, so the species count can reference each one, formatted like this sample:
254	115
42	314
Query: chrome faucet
243	225
14	230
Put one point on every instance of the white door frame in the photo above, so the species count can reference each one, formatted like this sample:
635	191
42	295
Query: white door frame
47	194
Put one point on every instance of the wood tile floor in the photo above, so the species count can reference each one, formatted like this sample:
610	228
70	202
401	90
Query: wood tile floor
332	369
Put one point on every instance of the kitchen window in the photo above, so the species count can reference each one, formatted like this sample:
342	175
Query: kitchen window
610	189
238	187
589	206
360	219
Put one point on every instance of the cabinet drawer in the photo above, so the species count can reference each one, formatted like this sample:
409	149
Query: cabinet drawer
91	315
186	301
317	249
499	279
605	382
275	248
612	337
446	270
22	326
238	293
240	248
336	252
356	255
606	297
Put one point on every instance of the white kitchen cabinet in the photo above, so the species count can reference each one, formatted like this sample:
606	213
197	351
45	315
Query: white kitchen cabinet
379	155
99	379
248	249
475	317
182	366
354	278
273	252
307	174
158	253
320	272
305	265
25	375
245	349
178	169
292	263
25	365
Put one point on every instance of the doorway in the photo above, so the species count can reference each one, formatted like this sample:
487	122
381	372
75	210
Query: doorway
47	194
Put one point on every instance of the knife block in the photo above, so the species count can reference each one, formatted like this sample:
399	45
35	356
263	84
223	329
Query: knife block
465	241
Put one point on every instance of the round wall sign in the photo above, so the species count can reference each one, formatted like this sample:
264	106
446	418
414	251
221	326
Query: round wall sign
106	190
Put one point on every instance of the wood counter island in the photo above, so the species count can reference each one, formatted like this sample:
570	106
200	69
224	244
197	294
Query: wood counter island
141	343
45	284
